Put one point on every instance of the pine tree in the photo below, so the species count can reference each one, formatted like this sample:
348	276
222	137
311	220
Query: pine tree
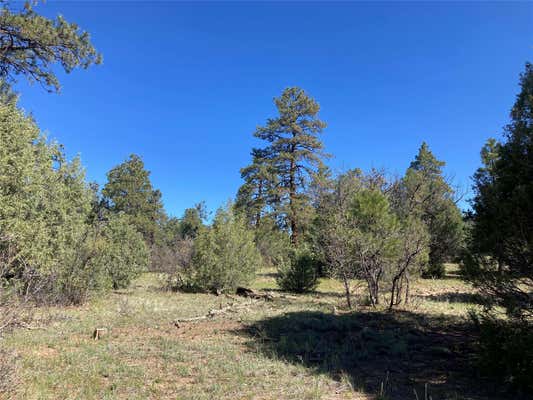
192	221
255	194
294	153
31	44
130	191
428	195
503	211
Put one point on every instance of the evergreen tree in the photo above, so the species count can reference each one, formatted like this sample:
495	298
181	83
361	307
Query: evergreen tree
255	194
192	221
294	153
43	198
225	255
130	191
503	211
427	195
31	44
53	245
486	236
125	255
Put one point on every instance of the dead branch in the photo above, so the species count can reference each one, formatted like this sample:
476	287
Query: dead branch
252	294
232	307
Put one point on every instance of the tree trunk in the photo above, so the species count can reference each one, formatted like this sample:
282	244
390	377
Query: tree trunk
399	289
292	196
347	291
393	293
370	292
260	196
406	287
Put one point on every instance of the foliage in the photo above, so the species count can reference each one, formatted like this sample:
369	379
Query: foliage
300	273
172	251
257	192
192	221
506	351
364	232
272	243
225	255
333	229
375	237
411	254
427	195
124	254
281	171
174	262
130	191
44	202
53	245
31	44
501	247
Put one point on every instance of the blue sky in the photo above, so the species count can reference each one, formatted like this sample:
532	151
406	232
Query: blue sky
185	84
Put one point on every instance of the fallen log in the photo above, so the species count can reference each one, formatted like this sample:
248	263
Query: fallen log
252	294
232	307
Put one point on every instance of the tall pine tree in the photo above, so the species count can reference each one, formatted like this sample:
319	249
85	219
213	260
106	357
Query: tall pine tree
293	155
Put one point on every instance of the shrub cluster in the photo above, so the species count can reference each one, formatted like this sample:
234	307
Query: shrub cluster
54	244
506	351
224	255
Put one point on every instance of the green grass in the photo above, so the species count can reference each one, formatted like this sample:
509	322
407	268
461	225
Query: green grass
291	348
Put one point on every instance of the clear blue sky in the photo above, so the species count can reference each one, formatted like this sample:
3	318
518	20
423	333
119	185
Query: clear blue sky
184	85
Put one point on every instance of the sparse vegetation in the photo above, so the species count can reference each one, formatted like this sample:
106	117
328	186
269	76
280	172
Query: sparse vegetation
293	347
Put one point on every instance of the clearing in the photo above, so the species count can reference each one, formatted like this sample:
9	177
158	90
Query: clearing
295	347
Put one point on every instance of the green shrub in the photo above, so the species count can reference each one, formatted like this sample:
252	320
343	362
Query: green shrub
435	271
506	351
108	254
53	247
125	255
300	274
224	255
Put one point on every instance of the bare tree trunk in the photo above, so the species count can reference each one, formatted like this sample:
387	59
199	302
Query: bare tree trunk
375	296
347	291
393	293
370	293
406	287
399	290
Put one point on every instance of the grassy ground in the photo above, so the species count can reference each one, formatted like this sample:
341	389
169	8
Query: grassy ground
291	348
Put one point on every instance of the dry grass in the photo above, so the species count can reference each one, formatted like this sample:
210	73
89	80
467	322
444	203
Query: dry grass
287	349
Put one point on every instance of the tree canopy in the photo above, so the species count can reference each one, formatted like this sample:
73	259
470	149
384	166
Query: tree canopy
30	45
281	171
130	191
503	210
428	195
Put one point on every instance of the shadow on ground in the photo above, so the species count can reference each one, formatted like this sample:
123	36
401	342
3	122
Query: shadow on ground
403	351
272	275
455	297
